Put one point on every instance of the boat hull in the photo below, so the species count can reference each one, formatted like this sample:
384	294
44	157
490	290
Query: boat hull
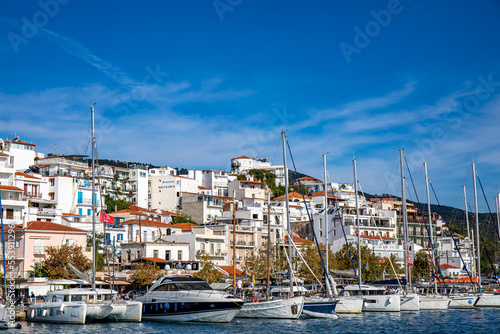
320	305
382	303
122	311
488	300
190	311
276	309
434	302
65	313
410	302
464	301
349	305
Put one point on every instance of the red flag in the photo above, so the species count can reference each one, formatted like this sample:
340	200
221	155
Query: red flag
108	219
409	261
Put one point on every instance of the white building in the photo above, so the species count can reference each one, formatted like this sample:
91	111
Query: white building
21	154
243	164
165	191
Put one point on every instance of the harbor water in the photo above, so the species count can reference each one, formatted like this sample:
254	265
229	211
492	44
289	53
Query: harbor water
449	321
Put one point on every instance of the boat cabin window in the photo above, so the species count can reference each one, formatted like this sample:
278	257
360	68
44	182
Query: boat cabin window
78	298
108	297
66	298
184	286
57	298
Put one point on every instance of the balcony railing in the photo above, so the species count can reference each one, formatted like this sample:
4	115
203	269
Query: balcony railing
39	250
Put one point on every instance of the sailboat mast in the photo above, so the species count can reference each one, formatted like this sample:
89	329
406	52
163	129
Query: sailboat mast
430	225
471	249
405	220
357	218
327	273
234	240
93	195
268	240
290	235
478	257
497	204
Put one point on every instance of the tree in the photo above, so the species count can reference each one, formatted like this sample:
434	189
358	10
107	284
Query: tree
183	219
421	266
54	265
311	257
113	205
99	245
145	274
208	271
241	177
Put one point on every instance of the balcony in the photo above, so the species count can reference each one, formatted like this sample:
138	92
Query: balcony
39	250
244	244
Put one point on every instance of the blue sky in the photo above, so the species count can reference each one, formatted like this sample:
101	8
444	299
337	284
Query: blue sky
194	83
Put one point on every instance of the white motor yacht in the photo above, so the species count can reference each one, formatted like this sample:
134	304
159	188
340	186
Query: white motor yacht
186	298
81	305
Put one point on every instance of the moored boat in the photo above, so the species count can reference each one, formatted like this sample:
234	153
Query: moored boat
288	308
186	298
375	298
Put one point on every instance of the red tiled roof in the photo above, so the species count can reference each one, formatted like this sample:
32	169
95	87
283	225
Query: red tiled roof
308	178
169	213
27	175
242	157
20	142
203	188
293	195
48	226
72	214
229	270
184	226
3	154
254	182
297	240
11	188
322	193
138	208
448	266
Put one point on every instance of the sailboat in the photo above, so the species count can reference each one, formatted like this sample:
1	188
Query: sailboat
409	301
375	298
81	305
433	301
284	308
332	303
485	299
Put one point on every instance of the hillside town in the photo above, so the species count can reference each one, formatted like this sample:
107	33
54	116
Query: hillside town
174	220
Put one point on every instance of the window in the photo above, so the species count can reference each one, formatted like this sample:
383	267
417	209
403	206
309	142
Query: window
80	211
52	182
80	197
138	254
167	255
120	237
9	214
51	196
155	253
89	212
11	160
255	216
179	255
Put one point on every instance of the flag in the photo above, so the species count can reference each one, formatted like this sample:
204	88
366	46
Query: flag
108	219
409	261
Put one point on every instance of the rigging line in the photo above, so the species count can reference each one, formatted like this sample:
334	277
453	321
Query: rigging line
489	210
308	214
348	245
451	232
387	254
391	177
482	242
486	200
429	242
303	260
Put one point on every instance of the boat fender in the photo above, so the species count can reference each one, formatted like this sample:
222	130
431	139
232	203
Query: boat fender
62	308
389	300
255	299
44	313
